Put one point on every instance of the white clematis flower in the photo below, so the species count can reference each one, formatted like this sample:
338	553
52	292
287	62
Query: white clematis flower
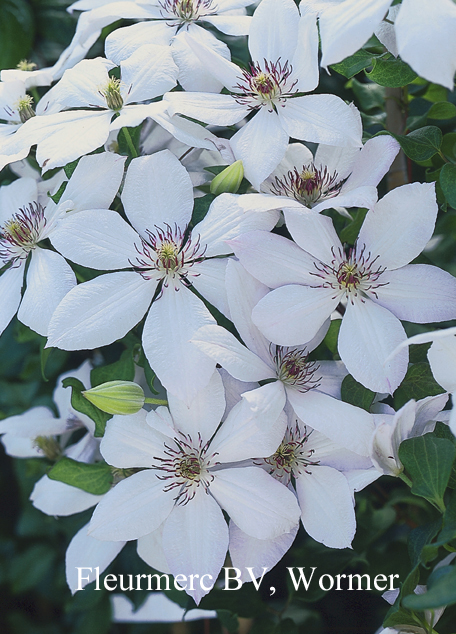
373	278
161	255
424	32
187	477
25	221
284	51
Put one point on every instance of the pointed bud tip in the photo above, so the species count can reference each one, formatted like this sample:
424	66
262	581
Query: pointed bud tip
116	397
229	180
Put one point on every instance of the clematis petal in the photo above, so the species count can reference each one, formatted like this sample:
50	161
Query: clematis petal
133	508
16	196
209	280
203	415
321	119
315	234
122	43
273	260
260	158
419	293
11	282
326	503
84	549
221	346
273	32
428	44
93	314
401	224
230	24
49	279
254	427
293	315
372	163
195	540
150	549
364	197
369	333
172	322
157	192
37	421
148	73
259	505
442	357
349	426
129	441
57	498
305	59
210	108
260	555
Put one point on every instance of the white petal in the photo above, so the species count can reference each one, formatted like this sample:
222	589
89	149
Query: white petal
234	390
369	333
148	73
210	108
345	27
208	277
37	421
49	279
183	130
248	144
129	441
133	508
273	259
419	293
314	233
442	357
223	347
305	59
20	447
292	315
425	39
226	219
332	374
332	454
321	119
428	409
195	540
327	506
254	428
382	451
258	554
259	505
230	24
349	426
372	163
10	291
358	479
172	322
157	191
94	314
365	197
150	549
274	31
122	43
97	238
16	196
86	552
203	415
95	181
401	224
337	159
57	498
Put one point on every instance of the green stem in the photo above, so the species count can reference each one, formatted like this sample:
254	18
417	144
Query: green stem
155	401
132	148
405	479
35	95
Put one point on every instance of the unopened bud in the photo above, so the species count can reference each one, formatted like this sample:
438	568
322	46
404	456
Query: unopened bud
116	397
229	180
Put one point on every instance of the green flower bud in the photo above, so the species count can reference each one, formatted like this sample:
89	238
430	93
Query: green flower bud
116	397
229	180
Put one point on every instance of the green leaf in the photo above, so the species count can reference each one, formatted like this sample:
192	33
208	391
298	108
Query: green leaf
349	233
70	167
332	335
368	96
421	144
396	614
441	591
228	620
448	532
121	370
354	64
448	147
16	32
442	110
201	208
59	193
447	182
419	538
428	461
93	478
122	140
393	73
418	383
356	394
82	405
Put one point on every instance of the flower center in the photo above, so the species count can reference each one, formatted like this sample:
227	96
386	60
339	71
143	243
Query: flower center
168	255
355	274
24	64
308	186
111	92
269	86
294	369
292	458
20	234
188	10
24	108
186	466
48	446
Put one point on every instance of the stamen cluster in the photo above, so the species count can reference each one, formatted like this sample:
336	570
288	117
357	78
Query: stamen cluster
292	458
20	234
268	86
294	369
187	10
308	185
